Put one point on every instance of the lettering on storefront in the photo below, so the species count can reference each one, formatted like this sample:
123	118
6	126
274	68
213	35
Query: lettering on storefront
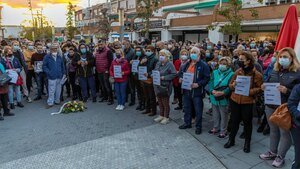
153	25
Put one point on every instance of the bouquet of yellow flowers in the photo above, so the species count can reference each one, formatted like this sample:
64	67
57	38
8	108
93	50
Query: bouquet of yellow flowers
73	106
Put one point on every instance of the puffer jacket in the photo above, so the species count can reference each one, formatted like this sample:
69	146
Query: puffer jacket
255	86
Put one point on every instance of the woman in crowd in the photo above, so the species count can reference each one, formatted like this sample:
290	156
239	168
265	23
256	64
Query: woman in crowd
120	83
85	63
28	52
219	90
286	72
266	57
3	97
163	91
150	62
71	70
139	55
194	96
12	64
293	104
242	106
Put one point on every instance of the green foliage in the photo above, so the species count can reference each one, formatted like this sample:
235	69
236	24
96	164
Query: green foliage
70	26
38	28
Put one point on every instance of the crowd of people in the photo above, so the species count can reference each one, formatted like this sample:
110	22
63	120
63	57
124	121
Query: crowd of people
148	73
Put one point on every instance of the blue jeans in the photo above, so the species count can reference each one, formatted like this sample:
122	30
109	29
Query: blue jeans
86	82
120	89
188	102
295	131
12	88
41	79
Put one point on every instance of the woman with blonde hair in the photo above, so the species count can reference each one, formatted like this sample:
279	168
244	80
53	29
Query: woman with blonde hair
163	91
286	72
120	80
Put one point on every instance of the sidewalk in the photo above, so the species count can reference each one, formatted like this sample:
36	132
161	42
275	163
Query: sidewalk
233	158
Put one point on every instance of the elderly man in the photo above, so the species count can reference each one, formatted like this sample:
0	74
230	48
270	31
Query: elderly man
53	67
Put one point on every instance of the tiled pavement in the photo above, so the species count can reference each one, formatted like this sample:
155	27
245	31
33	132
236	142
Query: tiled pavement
104	138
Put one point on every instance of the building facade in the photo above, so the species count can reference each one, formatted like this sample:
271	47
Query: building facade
188	20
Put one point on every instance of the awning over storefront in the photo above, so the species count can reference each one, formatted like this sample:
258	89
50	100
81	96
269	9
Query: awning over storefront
200	5
113	16
179	7
208	4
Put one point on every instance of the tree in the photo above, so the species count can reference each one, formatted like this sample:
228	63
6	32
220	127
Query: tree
145	11
103	25
38	28
230	12
70	24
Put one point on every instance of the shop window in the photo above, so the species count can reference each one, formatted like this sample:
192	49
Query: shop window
271	2
285	1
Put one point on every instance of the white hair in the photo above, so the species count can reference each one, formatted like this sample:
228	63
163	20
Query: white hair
197	50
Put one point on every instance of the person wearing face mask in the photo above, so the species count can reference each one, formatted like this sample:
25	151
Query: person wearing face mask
184	56
201	74
266	57
213	63
120	83
208	56
104	58
150	100
252	45
242	106
286	72
174	51
37	64
139	55
12	64
53	66
219	92
163	91
84	71
28	52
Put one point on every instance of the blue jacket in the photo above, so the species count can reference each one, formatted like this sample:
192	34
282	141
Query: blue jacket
14	63
53	69
293	103
201	76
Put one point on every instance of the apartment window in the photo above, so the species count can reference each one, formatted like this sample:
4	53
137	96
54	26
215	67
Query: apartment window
271	2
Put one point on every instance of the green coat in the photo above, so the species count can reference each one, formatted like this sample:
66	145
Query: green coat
216	77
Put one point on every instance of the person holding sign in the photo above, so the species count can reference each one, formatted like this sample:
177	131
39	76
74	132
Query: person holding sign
294	109
120	82
139	55
286	73
194	97
219	92
166	73
150	62
242	105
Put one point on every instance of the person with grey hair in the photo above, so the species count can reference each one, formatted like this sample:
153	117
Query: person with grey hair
53	66
194	96
163	91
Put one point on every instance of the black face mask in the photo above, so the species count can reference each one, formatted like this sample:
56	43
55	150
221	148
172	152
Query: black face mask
241	64
100	49
266	51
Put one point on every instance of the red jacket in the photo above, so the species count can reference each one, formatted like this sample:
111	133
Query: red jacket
125	68
177	65
267	61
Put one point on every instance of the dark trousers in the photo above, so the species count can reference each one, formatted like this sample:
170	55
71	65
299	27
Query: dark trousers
4	101
105	86
68	87
30	75
76	91
87	83
193	102
244	113
41	79
178	95
164	106
140	91
131	89
295	131
97	84
150	98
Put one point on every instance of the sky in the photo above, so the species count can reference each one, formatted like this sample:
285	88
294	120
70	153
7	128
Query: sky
14	12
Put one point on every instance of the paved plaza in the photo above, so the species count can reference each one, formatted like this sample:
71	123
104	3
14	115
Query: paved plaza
104	138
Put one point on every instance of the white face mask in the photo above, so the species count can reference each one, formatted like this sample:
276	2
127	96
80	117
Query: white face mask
54	53
184	57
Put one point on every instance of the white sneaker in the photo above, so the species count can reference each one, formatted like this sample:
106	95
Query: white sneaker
165	121
118	107
122	107
158	119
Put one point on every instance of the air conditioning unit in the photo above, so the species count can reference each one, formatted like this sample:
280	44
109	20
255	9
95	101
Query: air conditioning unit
166	22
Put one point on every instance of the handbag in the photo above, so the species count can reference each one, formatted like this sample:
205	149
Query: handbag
4	79
220	88
19	81
282	117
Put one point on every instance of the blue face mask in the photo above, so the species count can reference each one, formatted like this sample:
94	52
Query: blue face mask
83	50
273	59
252	45
222	68
149	53
209	47
220	56
284	62
30	47
194	56
207	55
16	48
138	53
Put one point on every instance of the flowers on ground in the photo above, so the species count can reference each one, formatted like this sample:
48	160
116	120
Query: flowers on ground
73	106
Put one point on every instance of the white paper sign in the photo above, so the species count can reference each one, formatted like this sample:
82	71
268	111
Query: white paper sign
13	75
38	66
156	77
242	85
142	71
117	71
272	94
134	66
187	81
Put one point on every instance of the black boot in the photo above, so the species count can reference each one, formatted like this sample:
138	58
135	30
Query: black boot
142	107
12	106
19	104
247	146
138	107
110	102
266	130
230	143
